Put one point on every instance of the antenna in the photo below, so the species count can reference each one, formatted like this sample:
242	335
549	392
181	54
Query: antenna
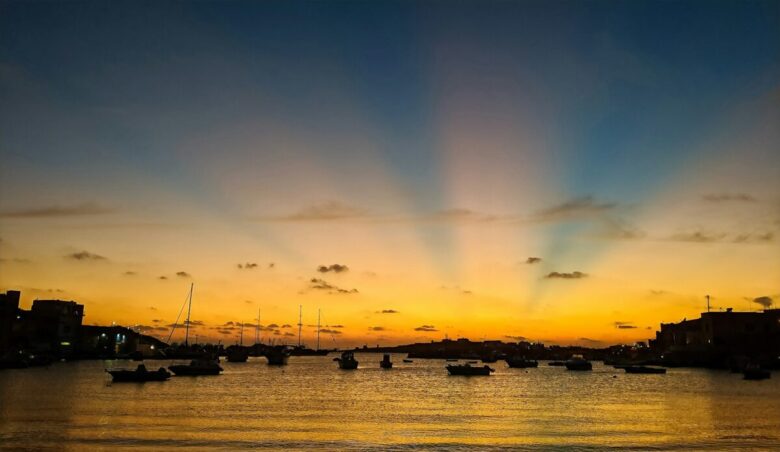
319	312
708	303
300	323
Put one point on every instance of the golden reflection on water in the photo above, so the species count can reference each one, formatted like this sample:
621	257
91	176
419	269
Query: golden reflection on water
310	403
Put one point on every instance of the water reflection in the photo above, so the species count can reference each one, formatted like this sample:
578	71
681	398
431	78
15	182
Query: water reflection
311	403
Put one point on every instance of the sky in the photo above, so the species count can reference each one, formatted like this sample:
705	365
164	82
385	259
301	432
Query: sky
557	171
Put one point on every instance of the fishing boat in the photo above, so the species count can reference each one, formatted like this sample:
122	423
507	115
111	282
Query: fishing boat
643	370
139	375
755	372
386	363
347	361
518	362
468	369
277	355
203	365
577	362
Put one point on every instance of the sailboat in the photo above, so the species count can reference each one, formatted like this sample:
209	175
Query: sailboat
238	353
206	365
302	350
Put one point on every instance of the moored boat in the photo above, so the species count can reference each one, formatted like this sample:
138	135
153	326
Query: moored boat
277	355
577	362
196	367
520	362
556	363
237	354
468	369
386	363
347	361
643	370
408	361
755	372
139	375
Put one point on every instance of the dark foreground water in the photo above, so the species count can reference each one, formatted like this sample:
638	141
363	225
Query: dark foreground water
312	404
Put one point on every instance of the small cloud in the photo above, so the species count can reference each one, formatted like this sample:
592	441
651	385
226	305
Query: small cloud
15	260
336	326
533	260
287	333
150	329
589	340
163	278
129	273
330	331
387	311
765	237
335	268
183	274
273	325
326	211
624	325
321	284
85	256
247	266
764	301
574	209
271	265
152	308
728	197
286	325
248	301
516	338
156	321
658	293
698	237
466	292
426	328
57	211
572	275
376	328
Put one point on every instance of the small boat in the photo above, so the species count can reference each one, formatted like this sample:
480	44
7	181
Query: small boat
755	372
451	360
237	354
643	370
468	369
408	361
347	361
518	362
196	367
386	363
556	363
277	355
139	375
577	362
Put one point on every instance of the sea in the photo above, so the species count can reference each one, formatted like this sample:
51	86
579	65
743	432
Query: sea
311	404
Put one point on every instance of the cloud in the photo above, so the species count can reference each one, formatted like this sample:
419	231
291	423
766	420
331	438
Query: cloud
335	268
572	275
466	292
426	328
321	284
533	260
58	211
192	323
728	197
248	301
331	331
85	256
326	211
576	208
271	265
15	260
286	325
459	215
624	325
273	325
698	237
150	329
183	274
376	328
152	308
765	237
129	273
516	338
287	333
247	266
336	326
658	293
764	301
616	229
592	341
163	278
387	311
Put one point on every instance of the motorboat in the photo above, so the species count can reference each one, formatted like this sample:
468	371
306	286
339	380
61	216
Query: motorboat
578	362
468	369
139	375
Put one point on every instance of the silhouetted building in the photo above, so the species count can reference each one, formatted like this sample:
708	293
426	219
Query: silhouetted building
113	341
9	314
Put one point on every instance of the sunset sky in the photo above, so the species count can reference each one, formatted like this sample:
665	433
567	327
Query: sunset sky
565	172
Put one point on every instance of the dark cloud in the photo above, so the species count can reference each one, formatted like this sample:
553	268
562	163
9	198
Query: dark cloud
163	277
183	274
129	273
286	325
15	260
728	197
321	284
572	275
150	329
764	301
156	320
193	323
331	331
336	326
327	211
376	328
287	333
387	311
57	211
576	208
247	266
533	260
248	301
85	256
624	325
698	237
765	237
466	292
426	328
335	268
152	308
273	325
271	265
592	341
516	338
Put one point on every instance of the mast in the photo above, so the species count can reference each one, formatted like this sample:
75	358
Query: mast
319	312
708	303
241	335
257	327
300	323
187	326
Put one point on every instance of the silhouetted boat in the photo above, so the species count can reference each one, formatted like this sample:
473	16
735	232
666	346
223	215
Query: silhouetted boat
577	362
755	372
451	360
237	354
277	355
556	363
468	369
304	351
347	361
139	375
386	363
200	366
643	370
521	363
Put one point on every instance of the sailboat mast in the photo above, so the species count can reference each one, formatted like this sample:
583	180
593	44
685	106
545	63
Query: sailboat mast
319	313
300	323
187	326
241	335
257	327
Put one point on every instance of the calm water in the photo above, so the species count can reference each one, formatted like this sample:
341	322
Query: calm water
310	403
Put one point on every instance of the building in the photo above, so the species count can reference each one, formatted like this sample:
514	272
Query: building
111	341
9	313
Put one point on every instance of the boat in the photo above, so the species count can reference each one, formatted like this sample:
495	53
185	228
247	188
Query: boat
468	369
196	367
237	354
139	375
755	372
577	362
347	361
451	360
556	363
518	362
643	370
277	355
408	361
386	363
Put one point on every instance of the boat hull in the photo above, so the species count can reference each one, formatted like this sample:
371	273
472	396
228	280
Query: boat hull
469	371
133	376
579	366
644	370
521	363
189	371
